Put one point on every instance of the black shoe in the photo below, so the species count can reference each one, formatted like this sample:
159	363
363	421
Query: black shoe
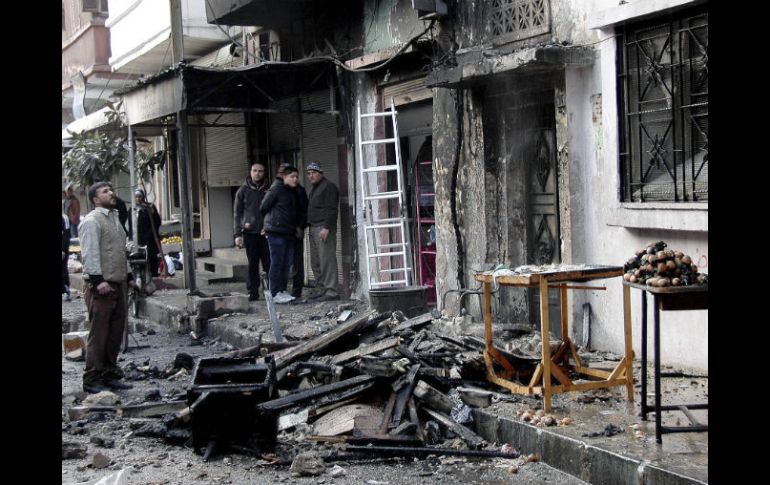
327	297
296	294
117	385
94	387
253	297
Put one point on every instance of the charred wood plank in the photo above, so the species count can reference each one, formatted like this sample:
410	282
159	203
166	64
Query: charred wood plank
414	322
388	413
366	350
297	366
377	367
362	437
474	441
359	451
317	392
323	341
414	418
433	397
403	396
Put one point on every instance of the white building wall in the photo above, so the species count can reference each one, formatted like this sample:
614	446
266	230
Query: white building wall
608	232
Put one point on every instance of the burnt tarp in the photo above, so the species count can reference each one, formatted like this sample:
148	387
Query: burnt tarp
201	90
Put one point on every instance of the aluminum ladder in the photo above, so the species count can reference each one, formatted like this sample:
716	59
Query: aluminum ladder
386	238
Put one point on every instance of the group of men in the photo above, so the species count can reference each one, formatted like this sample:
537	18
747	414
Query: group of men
270	222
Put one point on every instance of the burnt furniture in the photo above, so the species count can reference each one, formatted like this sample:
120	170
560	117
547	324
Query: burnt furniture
556	365
223	399
668	298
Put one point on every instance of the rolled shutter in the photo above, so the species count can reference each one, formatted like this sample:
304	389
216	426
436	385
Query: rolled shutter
226	151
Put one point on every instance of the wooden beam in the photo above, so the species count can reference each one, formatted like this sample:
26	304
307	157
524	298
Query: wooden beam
474	441
414	322
316	392
322	341
366	350
433	397
403	396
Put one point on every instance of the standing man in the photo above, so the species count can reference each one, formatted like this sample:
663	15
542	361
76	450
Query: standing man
105	274
322	210
147	226
281	223
298	266
73	211
247	226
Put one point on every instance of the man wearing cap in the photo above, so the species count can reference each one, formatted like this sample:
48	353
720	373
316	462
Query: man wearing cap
248	224
323	205
147	227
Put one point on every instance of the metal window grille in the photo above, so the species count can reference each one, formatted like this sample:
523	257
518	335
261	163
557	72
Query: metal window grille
519	19
663	98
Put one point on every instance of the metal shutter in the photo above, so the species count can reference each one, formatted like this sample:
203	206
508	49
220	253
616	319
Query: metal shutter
406	92
226	151
319	143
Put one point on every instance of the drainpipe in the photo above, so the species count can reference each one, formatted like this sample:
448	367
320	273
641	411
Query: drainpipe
132	183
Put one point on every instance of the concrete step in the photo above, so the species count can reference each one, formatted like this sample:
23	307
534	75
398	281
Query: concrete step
233	269
230	254
209	277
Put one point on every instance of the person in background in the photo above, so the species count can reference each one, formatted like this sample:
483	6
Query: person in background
322	211
248	223
147	228
105	274
73	211
65	254
281	223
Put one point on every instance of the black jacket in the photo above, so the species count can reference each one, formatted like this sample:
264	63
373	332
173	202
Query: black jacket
323	205
248	198
302	203
280	209
147	218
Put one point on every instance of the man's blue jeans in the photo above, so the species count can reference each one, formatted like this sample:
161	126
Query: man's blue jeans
281	259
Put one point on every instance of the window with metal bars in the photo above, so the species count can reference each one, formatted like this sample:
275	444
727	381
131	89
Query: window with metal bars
663	104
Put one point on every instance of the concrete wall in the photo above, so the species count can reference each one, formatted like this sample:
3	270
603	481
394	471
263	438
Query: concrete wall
388	23
605	231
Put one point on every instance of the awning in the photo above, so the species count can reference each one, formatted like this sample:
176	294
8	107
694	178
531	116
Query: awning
97	119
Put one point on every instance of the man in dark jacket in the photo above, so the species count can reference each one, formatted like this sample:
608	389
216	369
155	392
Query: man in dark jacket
323	206
281	224
248	226
298	268
148	223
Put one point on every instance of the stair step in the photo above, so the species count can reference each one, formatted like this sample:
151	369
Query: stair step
230	254
208	277
232	269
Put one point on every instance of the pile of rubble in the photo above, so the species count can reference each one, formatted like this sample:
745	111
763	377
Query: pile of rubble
376	385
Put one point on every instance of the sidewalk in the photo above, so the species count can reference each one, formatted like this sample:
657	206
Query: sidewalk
631	456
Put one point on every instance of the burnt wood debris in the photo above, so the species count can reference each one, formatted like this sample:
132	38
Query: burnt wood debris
377	386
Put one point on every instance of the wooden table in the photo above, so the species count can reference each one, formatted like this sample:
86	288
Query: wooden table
556	365
668	298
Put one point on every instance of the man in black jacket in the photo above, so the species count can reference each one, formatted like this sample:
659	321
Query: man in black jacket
281	225
298	267
248	226
148	224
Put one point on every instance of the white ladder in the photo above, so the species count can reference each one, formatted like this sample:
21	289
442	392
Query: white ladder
386	238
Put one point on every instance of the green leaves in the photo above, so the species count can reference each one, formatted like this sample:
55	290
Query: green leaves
102	154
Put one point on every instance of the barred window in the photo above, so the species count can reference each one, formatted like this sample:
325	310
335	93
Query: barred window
663	99
512	20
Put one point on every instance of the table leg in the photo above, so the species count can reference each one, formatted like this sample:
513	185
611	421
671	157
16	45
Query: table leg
629	347
656	313
488	314
644	355
564	326
546	340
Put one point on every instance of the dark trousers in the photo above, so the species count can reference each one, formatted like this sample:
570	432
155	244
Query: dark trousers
65	275
256	250
281	258
108	316
152	258
298	268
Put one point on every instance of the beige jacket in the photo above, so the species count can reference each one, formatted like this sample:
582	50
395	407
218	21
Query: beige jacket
103	245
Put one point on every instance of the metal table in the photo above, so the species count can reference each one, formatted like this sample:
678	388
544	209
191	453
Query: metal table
556	365
668	298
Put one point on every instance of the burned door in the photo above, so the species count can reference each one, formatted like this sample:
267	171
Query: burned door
520	154
542	195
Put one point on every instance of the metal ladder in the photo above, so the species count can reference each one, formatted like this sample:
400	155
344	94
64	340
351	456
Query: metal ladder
386	238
